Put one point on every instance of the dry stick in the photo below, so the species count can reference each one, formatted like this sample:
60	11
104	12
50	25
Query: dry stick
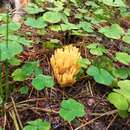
111	122
15	109
91	121
13	116
45	110
70	126
31	100
25	101
90	88
5	120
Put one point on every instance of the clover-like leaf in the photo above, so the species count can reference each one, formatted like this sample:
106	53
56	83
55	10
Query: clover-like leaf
30	67
19	75
70	109
33	9
24	90
14	61
42	81
123	113
12	27
69	26
122	73
52	17
97	49
100	75
123	57
116	3
124	89
37	125
36	23
19	39
118	101
27	70
126	39
114	31
124	83
86	26
10	50
84	62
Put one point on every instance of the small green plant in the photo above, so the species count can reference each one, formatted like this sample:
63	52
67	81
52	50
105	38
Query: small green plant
36	23
123	57
100	75
115	3
24	90
114	31
42	81
32	69
33	9
37	125
70	109
120	97
96	49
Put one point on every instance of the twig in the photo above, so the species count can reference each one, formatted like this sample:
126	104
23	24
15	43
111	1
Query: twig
15	109
5	120
91	121
111	122
13	116
45	110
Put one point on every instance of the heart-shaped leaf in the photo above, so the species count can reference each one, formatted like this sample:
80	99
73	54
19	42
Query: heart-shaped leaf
36	23
37	125
42	81
52	17
123	57
70	109
118	101
114	31
100	75
10	50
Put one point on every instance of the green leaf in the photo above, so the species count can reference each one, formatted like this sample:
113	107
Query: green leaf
31	67
118	101
26	70
19	39
24	90
55	28
126	39
42	81
19	75
37	125
100	75
124	83
8	52
70	109
84	62
86	26
122	73
123	57
14	61
123	113
52	17
52	44
33	9
36	23
114	31
69	26
116	3
96	49
124	89
12	27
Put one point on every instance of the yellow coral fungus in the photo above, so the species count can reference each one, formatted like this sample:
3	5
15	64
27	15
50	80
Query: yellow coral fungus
65	64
